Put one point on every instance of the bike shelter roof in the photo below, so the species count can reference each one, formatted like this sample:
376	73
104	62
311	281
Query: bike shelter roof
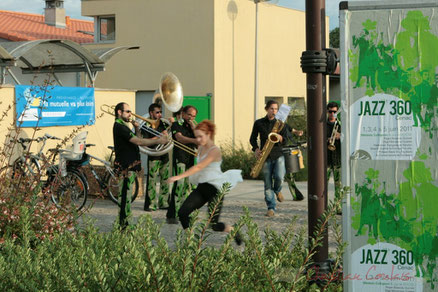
54	56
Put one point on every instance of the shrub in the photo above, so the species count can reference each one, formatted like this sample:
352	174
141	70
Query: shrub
238	157
25	202
140	259
26	211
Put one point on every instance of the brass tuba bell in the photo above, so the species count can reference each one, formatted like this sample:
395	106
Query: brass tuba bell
171	92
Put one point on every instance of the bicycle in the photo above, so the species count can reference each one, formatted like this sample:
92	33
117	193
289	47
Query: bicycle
65	191
109	182
28	164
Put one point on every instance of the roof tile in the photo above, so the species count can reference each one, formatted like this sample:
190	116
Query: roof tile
19	26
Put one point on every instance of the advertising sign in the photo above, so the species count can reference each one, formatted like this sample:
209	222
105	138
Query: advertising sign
54	106
389	82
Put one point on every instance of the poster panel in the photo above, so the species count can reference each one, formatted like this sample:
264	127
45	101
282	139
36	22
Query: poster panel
390	102
54	106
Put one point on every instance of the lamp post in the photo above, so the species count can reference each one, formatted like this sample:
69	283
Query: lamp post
314	63
256	79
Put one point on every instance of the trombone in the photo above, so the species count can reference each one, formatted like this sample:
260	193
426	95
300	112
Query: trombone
110	110
331	145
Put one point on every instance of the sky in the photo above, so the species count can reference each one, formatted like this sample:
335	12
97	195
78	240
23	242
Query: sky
73	7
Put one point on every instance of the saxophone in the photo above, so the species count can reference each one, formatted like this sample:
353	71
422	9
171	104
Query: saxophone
273	138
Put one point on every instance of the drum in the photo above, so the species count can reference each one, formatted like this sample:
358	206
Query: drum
291	159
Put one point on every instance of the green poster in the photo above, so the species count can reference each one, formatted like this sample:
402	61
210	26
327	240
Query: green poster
390	86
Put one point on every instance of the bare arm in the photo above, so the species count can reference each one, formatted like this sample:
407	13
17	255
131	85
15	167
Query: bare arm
297	132
137	128
213	155
185	140
148	142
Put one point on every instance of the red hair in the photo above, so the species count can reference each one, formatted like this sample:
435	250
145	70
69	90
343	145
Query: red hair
208	127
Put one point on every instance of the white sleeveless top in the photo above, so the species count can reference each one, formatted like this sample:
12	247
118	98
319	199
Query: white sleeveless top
213	174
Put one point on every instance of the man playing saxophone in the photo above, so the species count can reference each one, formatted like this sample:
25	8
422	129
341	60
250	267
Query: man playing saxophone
273	168
334	146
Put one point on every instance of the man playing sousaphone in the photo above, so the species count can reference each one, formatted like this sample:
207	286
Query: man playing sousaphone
274	167
158	166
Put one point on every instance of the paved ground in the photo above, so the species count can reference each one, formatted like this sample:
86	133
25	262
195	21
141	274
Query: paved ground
249	193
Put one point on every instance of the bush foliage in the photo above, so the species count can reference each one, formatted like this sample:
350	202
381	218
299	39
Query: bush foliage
140	259
238	157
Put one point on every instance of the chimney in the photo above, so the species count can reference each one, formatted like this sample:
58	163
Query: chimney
54	13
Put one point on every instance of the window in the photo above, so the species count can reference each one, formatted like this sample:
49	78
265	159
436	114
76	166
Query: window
297	104
278	99
105	28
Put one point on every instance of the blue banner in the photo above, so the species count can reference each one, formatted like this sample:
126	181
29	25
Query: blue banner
54	106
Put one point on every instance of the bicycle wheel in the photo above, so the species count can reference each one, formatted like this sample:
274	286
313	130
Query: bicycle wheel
112	187
26	172
25	168
68	192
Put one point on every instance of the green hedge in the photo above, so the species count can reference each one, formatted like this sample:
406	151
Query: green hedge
140	259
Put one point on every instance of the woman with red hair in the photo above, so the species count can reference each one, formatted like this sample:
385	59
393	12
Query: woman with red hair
207	174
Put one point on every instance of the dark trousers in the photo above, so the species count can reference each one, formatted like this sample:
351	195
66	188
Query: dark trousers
125	198
204	193
180	190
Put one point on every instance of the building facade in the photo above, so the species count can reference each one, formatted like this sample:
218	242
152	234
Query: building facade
211	46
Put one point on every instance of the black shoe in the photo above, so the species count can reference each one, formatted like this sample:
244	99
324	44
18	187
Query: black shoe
238	238
147	209
171	221
164	208
298	195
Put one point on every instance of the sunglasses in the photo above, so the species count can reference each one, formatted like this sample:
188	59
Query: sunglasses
159	112
332	112
128	111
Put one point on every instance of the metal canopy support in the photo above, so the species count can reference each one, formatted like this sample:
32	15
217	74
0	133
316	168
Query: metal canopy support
57	79
13	76
89	74
2	75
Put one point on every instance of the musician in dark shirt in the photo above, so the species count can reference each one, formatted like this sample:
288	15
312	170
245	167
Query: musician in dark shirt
127	156
182	131
334	157
273	168
290	177
158	166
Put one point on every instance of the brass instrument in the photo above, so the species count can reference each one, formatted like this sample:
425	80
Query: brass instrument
331	145
171	92
273	138
163	149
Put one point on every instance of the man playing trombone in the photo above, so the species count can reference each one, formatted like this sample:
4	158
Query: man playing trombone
182	160
127	156
158	167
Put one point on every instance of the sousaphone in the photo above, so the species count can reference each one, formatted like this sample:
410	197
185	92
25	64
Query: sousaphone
171	95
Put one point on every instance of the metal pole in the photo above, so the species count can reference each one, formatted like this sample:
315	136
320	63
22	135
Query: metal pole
256	81
316	127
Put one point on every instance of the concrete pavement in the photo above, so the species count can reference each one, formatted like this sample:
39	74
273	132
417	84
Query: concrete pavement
249	193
